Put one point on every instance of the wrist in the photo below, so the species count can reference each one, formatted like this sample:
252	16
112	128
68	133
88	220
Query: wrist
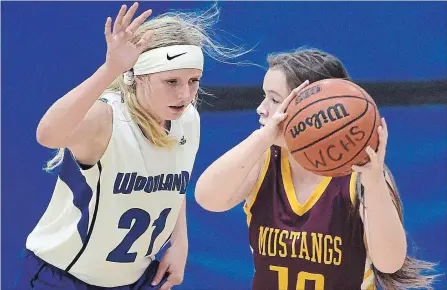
265	139
375	190
179	238
371	180
180	243
109	71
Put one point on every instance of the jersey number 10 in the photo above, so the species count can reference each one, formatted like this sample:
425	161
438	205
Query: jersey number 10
283	278
142	221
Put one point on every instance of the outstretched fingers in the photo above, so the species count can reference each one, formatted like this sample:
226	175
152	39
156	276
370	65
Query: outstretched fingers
138	21
129	15
282	108
117	26
108	29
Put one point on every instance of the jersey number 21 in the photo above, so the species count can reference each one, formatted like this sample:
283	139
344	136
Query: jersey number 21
142	221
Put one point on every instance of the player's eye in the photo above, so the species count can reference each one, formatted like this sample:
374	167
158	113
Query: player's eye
172	82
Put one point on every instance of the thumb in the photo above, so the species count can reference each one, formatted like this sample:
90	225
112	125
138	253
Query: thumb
160	273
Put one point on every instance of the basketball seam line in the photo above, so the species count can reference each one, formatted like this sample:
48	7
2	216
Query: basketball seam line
328	98
360	151
333	132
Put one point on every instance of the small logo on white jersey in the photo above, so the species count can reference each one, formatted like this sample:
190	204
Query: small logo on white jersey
182	141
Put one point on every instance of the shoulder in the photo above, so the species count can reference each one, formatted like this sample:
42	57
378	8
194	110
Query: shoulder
350	185
118	108
111	98
347	187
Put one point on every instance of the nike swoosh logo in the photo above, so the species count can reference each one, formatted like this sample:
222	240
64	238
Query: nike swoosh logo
174	56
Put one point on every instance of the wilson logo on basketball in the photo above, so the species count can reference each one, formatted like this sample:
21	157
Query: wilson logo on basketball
331	114
329	126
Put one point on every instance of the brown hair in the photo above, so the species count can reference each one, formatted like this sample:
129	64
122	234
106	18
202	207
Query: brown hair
315	65
411	274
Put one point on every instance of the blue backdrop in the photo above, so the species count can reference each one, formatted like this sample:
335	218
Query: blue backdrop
49	47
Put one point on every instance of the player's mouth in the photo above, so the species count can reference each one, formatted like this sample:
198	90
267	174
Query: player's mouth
178	108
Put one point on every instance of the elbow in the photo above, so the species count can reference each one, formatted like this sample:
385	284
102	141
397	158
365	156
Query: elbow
206	197
41	136
45	137
389	267
207	202
391	263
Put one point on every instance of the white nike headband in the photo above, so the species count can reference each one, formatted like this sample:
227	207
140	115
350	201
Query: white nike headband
165	59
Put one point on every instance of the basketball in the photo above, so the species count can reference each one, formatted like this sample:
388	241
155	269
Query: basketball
329	124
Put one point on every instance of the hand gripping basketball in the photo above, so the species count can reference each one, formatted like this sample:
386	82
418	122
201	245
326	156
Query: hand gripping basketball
122	54
372	172
272	127
331	123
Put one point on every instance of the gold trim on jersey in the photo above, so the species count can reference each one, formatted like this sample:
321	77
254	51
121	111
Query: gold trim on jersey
247	206
352	186
298	208
368	277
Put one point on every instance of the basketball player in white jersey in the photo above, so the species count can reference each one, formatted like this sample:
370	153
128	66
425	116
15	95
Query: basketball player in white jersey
129	136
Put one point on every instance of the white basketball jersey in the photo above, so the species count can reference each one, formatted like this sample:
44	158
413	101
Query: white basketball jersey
105	224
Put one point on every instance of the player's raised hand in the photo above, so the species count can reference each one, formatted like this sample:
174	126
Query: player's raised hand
272	127
373	170
122	54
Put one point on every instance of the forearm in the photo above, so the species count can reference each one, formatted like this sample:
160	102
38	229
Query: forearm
385	233
180	233
66	113
223	179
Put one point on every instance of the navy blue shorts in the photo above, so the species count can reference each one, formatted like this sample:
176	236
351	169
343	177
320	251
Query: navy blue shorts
39	275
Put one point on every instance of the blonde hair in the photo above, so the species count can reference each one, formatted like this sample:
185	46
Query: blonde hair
171	28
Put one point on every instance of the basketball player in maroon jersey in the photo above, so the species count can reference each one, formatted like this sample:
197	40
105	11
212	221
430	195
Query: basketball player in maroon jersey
308	231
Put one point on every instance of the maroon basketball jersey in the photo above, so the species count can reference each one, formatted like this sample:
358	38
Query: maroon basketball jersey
309	246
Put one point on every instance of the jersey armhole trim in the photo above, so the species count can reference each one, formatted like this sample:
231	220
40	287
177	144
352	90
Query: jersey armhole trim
90	229
248	206
115	111
354	184
368	282
352	187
